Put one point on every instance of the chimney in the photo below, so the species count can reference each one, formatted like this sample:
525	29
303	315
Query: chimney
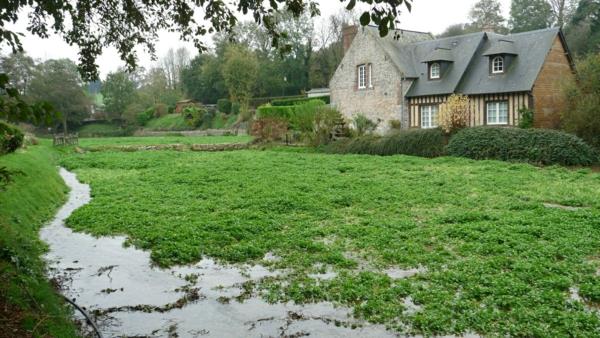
348	34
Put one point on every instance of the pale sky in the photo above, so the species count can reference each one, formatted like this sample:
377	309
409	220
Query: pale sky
427	16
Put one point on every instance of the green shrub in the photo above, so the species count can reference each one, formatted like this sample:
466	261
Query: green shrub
526	118
363	125
11	138
296	101
327	122
224	106
269	111
417	142
105	130
538	146
395	124
143	117
303	115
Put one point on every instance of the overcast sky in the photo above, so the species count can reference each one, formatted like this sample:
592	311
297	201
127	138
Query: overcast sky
427	15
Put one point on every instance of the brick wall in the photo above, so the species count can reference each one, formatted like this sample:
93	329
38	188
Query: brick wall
383	101
548	99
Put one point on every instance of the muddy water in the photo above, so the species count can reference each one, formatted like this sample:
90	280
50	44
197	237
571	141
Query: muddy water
130	297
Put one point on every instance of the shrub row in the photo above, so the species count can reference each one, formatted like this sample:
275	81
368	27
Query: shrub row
296	101
538	146
417	142
11	138
290	113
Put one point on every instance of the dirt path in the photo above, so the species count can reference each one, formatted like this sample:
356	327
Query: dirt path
129	297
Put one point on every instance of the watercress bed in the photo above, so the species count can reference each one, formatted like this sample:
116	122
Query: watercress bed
500	248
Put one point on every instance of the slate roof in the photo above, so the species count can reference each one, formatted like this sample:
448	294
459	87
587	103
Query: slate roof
466	57
531	49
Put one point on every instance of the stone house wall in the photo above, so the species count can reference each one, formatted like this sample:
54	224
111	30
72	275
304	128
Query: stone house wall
382	102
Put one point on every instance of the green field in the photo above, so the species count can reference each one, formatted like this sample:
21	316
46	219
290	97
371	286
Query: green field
160	140
500	246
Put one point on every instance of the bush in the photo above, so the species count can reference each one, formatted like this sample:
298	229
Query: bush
326	124
278	112
362	125
538	146
395	124
105	130
525	118
11	138
143	117
296	101
194	116
224	106
582	113
417	142
269	129
454	114
303	115
235	108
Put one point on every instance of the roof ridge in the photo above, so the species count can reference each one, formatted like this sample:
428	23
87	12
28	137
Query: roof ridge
402	30
536	31
449	38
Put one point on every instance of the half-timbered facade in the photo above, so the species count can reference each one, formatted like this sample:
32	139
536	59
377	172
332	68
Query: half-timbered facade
500	74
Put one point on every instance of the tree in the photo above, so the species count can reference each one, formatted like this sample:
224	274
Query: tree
68	98
127	24
583	32
20	68
486	15
239	72
118	91
582	114
562	11
458	29
528	15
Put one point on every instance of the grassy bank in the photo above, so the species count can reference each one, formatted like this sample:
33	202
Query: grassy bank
500	248
29	306
170	122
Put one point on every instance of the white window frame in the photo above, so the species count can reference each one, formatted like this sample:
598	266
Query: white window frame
497	113
498	65
429	116
439	71
362	76
370	75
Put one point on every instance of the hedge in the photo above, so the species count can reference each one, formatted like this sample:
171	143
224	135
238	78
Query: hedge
224	106
296	101
537	146
268	111
418	142
11	138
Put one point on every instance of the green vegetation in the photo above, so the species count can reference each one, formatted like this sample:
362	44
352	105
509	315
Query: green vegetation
102	129
28	302
499	244
296	101
11	138
158	140
538	146
419	142
170	122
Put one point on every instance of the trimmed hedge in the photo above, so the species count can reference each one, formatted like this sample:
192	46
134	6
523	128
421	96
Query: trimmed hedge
537	146
418	142
11	138
296	101
267	111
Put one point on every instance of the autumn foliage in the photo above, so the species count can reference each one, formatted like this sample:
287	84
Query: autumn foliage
454	114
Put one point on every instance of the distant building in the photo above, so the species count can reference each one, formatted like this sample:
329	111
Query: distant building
406	78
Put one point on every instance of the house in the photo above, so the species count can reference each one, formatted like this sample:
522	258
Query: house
407	78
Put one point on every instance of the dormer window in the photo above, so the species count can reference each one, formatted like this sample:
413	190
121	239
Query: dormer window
434	70
498	65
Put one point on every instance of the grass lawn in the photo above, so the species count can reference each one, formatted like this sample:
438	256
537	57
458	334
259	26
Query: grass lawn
29	305
158	140
493	259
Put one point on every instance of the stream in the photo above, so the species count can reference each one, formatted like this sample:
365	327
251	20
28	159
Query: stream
129	297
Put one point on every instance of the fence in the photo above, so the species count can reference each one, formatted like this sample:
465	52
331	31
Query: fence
65	139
